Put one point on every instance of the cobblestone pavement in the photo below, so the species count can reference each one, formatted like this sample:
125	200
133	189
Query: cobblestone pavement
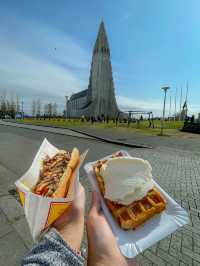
177	171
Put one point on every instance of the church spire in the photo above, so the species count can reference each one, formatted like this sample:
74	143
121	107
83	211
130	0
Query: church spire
101	95
101	41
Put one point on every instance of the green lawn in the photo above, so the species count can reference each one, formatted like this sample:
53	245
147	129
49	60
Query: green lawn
171	128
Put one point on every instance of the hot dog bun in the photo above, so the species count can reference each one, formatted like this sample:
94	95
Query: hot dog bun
64	183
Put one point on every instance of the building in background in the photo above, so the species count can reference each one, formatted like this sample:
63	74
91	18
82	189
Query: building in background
99	99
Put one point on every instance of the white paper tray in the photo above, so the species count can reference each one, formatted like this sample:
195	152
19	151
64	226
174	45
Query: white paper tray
133	242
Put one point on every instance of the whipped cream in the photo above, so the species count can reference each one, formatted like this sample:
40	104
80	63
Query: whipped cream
126	179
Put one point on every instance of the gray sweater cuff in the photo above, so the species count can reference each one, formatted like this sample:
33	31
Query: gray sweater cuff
52	250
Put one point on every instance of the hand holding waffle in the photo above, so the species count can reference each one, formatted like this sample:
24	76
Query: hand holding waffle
102	245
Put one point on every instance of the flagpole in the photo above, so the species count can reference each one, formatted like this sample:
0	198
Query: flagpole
186	98
175	105
170	105
180	103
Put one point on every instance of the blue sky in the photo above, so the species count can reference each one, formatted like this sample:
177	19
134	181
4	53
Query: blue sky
46	49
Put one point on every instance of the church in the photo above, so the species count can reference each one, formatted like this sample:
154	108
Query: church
98	100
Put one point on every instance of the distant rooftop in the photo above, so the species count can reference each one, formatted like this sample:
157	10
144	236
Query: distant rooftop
78	95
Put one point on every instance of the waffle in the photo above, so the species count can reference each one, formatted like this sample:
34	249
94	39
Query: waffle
133	215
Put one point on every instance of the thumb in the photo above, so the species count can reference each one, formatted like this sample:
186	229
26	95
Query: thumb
96	204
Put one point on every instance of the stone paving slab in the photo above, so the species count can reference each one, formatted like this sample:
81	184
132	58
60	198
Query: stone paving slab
4	188
11	208
21	227
5	227
6	176
12	249
12	246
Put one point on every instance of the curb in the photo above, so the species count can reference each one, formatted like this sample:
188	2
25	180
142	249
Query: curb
128	144
37	129
107	140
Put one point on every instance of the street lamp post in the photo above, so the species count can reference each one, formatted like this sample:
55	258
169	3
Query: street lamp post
22	110
66	110
165	89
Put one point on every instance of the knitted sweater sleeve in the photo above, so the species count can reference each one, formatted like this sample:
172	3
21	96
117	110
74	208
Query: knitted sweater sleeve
52	250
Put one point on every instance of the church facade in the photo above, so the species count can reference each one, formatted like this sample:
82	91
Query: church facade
98	100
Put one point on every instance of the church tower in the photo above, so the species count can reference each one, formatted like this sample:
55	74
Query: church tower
100	94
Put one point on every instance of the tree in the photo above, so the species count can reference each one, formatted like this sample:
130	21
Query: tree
17	105
38	107
50	109
12	108
8	108
33	108
3	108
54	109
46	109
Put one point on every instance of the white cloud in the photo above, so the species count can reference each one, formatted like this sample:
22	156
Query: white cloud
46	64
126	104
36	74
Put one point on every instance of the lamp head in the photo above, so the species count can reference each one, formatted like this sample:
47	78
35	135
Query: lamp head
165	88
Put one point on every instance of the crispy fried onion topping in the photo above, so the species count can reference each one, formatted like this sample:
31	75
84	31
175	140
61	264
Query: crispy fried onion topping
51	172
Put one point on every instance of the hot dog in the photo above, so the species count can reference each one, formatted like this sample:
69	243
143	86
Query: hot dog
56	173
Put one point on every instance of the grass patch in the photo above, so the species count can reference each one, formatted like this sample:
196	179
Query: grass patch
171	128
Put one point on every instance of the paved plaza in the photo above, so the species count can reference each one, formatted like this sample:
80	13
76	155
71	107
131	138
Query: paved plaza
176	168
